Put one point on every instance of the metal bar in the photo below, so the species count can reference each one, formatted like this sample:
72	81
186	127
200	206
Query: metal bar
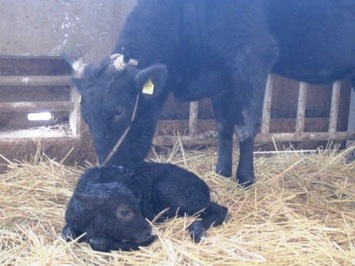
169	140
305	136
36	106
266	117
334	108
187	140
193	118
301	107
35	81
25	136
208	135
32	57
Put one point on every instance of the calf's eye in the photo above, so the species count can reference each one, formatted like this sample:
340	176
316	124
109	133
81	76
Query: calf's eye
124	213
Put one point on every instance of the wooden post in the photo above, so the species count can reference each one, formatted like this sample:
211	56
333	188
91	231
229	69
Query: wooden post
301	107
266	117
334	108
351	120
193	119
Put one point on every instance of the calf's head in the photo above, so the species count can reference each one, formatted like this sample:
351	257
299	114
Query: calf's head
111	93
117	214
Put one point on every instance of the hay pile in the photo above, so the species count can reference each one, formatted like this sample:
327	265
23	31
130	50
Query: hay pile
301	212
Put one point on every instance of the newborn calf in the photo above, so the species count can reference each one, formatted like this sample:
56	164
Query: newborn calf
110	205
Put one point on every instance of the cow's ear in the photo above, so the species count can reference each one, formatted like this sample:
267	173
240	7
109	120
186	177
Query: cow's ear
77	84
151	81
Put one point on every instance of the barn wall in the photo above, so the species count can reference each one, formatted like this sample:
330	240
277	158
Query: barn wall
86	28
32	36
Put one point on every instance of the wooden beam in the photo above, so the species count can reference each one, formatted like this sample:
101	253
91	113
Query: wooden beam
36	106
35	81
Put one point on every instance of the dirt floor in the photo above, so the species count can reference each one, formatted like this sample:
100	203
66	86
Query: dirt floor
300	212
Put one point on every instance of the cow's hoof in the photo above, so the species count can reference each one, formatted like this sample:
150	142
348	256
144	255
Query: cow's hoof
197	231
246	184
350	158
224	171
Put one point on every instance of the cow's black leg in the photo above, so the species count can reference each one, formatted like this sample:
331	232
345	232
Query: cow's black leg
223	112
247	124
213	215
251	69
245	171
248	116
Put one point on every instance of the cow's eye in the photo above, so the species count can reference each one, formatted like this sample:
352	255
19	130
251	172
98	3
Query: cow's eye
118	113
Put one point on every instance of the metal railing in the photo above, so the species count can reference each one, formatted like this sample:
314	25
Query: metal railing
265	136
71	105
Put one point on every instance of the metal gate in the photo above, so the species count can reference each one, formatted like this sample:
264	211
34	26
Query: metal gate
61	102
299	134
194	136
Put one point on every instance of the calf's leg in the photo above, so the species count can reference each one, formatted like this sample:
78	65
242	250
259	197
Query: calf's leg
70	234
213	215
104	244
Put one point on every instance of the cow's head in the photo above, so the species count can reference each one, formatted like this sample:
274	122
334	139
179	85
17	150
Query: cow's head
109	100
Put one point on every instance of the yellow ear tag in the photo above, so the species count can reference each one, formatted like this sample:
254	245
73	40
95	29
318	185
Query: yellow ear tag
148	87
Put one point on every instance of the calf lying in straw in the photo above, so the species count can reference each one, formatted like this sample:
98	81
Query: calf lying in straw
110	205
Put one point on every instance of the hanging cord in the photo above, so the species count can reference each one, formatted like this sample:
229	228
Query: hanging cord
121	139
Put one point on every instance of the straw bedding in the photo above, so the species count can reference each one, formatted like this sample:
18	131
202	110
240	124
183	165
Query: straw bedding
301	212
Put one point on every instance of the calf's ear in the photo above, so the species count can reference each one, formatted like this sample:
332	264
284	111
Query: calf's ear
150	81
89	201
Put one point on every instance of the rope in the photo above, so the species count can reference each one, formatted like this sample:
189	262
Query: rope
121	139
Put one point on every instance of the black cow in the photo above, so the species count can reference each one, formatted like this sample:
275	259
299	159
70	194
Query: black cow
220	49
110	205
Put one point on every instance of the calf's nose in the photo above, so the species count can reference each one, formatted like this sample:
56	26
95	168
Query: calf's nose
146	237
